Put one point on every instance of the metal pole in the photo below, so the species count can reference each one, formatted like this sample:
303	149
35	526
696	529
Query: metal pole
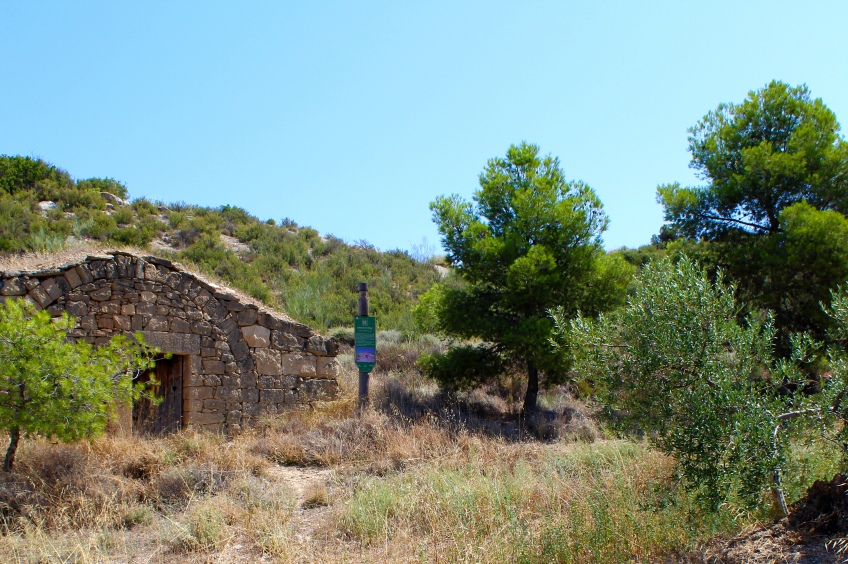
363	376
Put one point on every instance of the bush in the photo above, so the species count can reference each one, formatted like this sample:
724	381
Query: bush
463	367
676	364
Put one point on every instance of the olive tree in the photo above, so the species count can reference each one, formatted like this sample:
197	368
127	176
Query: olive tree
54	387
676	364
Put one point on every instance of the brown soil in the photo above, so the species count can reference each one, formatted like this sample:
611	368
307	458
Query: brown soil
810	534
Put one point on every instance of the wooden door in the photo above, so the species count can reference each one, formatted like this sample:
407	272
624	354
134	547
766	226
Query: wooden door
166	417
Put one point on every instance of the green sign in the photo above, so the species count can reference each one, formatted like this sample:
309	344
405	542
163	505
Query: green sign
365	336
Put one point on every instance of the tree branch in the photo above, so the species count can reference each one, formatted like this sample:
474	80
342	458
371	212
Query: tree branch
737	221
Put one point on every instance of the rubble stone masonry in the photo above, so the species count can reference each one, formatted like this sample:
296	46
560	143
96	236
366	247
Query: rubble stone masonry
244	360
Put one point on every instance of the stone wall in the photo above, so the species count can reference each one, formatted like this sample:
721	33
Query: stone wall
244	360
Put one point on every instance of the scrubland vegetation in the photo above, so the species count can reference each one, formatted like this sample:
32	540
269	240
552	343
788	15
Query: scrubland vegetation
419	478
311	277
537	400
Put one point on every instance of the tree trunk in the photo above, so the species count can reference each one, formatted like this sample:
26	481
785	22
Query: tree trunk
532	389
777	496
14	437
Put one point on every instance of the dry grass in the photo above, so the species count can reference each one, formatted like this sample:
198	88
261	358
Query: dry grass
418	478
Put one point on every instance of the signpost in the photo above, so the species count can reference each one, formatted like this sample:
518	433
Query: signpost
365	339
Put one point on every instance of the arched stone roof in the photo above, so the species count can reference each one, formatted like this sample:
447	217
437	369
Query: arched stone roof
243	359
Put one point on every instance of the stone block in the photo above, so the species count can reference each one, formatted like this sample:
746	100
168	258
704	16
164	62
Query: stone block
13	287
316	345
247	317
72	276
102	294
230	328
256	336
209	352
211	380
214	405
56	310
245	364
193	379
319	389
233	418
40	297
285	341
299	364
177	343
123	323
128	309
233	305
268	362
193	418
252	409
328	367
231	381
198	393
250	395
267	381
111	308
201	327
157	323
138	322
248	380
192	405
77	309
180	325
105	323
63	285
216	312
84	274
269	321
240	350
228	394
52	288
271	395
213	366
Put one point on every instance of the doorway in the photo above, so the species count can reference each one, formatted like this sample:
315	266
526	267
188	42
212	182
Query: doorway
167	417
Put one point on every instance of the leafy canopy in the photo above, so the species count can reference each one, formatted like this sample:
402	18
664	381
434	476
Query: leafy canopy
772	211
676	364
57	388
529	241
777	148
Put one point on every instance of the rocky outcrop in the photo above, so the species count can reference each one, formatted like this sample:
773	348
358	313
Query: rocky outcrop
244	360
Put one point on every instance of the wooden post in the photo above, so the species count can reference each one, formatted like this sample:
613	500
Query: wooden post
363	376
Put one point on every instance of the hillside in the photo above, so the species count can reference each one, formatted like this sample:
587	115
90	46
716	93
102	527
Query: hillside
311	277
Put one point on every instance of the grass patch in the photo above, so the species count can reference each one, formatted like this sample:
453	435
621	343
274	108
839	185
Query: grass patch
583	503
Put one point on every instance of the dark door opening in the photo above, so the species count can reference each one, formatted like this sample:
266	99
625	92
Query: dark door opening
167	417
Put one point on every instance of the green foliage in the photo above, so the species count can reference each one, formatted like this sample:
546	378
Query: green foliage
778	148
104	185
25	174
676	364
529	242
57	388
770	162
464	367
312	278
643	255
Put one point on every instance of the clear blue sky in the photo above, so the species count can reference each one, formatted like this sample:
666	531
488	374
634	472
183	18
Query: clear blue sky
351	117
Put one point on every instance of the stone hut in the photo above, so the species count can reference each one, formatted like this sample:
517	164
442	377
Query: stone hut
232	359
